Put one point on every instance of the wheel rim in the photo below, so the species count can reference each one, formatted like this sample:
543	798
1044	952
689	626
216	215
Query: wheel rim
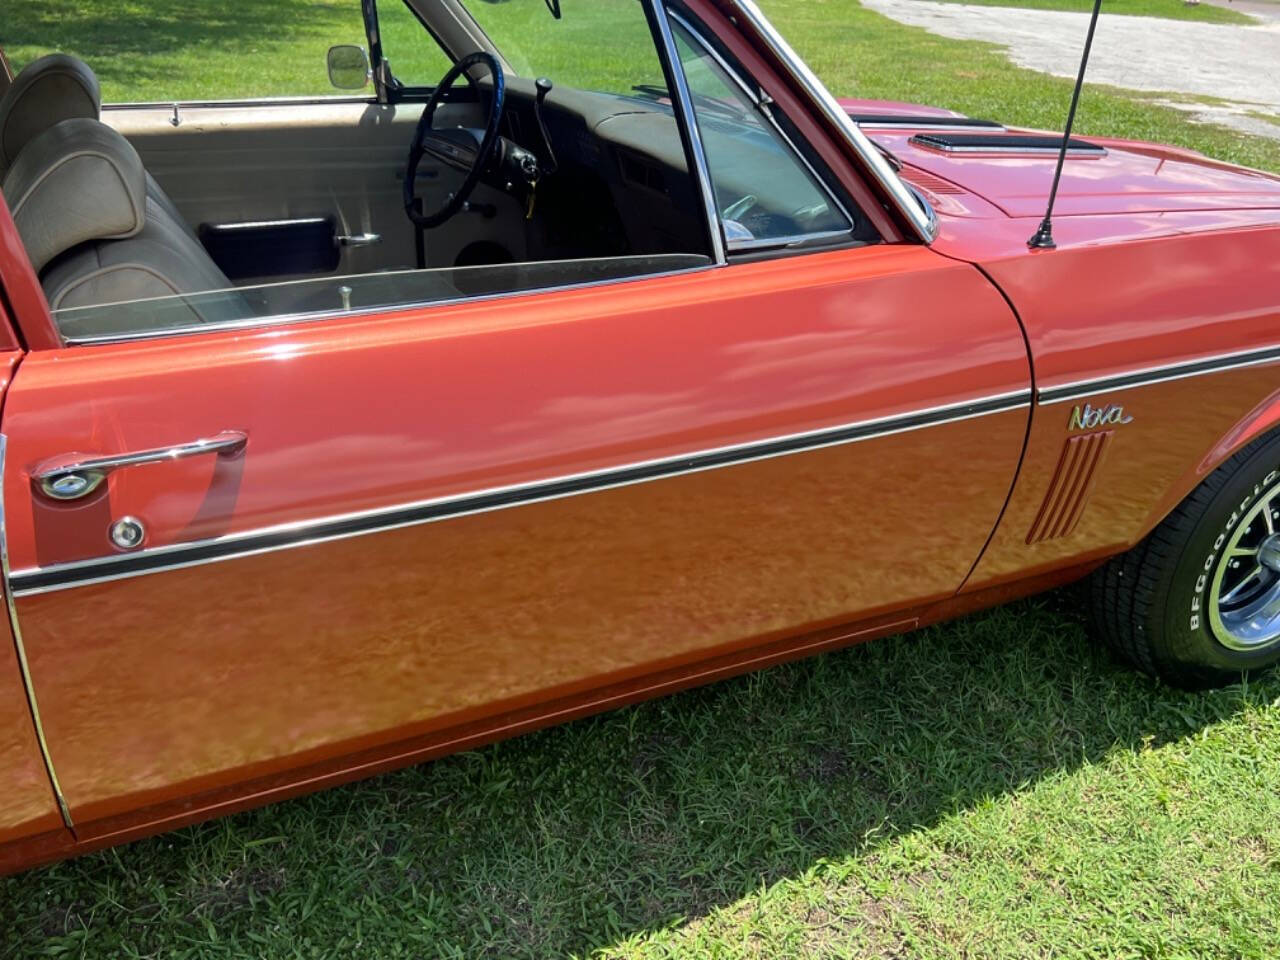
1244	601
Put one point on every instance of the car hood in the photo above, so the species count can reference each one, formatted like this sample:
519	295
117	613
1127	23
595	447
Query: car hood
1125	177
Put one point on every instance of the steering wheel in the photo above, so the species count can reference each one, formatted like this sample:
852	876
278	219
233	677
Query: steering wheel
472	160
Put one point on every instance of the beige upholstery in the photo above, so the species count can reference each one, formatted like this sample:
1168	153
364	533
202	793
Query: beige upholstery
161	261
47	91
77	181
79	197
53	89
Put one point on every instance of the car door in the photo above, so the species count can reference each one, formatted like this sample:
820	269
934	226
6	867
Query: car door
444	514
28	809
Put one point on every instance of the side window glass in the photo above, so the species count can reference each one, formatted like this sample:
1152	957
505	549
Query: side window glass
765	193
599	45
274	303
237	50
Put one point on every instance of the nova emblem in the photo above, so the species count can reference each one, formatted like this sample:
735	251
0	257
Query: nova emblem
1090	418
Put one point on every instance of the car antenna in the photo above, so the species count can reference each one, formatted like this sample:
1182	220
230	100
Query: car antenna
1042	239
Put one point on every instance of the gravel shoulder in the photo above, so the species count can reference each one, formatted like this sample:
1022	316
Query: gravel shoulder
1233	67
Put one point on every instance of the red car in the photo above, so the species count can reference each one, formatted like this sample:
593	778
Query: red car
345	432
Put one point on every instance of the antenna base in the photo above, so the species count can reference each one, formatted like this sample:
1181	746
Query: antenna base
1042	239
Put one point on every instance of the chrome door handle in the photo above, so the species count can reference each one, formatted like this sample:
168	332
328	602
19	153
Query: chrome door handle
75	475
358	239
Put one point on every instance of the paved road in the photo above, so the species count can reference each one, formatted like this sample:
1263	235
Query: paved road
1262	9
1240	64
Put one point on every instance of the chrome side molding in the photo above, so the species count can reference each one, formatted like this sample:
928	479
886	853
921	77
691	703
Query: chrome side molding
148	560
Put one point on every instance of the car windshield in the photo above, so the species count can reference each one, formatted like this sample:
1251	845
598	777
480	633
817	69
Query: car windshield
601	45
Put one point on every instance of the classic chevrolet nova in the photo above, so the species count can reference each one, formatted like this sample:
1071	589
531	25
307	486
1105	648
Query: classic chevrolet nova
343	432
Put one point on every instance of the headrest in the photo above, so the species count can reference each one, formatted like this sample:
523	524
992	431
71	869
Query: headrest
45	92
77	181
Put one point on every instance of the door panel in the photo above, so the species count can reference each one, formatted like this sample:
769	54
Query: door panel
285	161
502	583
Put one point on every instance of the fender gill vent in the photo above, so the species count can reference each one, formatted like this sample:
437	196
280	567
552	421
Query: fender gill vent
927	181
1004	143
1070	487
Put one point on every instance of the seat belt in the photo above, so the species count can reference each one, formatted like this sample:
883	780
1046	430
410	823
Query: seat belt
6	73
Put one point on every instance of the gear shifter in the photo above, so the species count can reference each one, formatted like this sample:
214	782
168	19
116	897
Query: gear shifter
544	86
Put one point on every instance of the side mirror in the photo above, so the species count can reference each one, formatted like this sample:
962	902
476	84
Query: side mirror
348	67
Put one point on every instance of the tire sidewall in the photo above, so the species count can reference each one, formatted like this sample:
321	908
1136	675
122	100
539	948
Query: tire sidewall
1188	628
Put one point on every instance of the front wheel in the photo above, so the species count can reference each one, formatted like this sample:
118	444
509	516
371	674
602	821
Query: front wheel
1197	602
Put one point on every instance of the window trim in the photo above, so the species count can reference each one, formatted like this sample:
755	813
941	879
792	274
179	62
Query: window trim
922	222
762	104
250	324
668	55
687	122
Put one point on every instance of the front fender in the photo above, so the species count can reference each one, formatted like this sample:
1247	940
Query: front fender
1181	334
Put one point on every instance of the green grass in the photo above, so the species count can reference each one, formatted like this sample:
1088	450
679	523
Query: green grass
1165	9
990	788
220	49
210	49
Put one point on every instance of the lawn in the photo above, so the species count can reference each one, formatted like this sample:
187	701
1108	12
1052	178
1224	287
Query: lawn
990	788
1166	9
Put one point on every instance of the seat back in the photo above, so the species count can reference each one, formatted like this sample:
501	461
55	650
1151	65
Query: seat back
46	92
79	197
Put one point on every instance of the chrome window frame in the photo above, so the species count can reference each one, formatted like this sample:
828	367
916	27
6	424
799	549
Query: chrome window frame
761	104
687	121
668	55
923	221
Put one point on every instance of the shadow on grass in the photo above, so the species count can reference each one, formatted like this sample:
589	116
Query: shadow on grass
581	836
161	42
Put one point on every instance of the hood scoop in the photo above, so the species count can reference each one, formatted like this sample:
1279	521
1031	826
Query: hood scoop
1005	143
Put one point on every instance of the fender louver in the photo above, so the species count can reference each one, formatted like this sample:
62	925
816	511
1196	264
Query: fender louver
1004	143
1070	487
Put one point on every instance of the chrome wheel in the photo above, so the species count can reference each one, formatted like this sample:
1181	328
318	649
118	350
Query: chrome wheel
1244	600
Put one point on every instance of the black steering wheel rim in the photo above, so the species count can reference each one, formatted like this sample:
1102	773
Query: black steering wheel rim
483	156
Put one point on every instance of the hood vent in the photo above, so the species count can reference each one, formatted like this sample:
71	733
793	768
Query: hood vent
903	121
927	181
1008	143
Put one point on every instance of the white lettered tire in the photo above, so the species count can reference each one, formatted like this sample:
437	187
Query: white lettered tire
1197	603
